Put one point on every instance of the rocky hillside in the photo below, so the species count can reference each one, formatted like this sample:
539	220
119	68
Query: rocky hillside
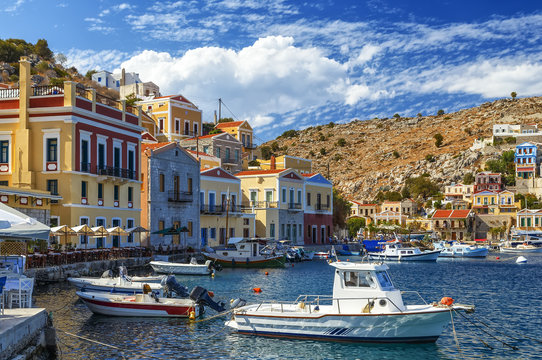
380	154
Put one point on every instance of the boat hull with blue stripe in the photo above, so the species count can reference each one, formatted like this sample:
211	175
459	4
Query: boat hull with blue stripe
364	307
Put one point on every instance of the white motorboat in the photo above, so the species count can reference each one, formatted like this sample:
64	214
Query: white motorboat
245	253
365	307
394	251
321	255
457	250
114	285
193	268
149	304
525	247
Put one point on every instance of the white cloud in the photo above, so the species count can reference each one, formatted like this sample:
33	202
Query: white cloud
270	77
366	53
85	60
13	6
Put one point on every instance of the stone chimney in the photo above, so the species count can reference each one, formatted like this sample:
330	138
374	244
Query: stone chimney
273	162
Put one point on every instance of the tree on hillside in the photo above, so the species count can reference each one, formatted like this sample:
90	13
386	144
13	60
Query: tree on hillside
42	49
89	74
207	127
438	139
421	187
505	166
468	178
131	99
341	209
266	152
513	94
354	224
440	112
225	120
61	59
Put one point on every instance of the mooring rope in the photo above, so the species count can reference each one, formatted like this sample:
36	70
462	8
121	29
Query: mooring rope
455	334
516	332
486	332
212	317
111	346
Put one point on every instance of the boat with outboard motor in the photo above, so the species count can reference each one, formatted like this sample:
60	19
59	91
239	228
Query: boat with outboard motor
395	251
457	250
192	268
365	307
150	304
524	247
121	284
245	253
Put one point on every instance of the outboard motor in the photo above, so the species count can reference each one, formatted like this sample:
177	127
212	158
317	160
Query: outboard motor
201	296
107	274
213	265
171	285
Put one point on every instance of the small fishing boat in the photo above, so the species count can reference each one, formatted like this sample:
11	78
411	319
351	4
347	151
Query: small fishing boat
321	255
365	307
148	304
121	284
245	253
396	252
525	247
193	268
457	250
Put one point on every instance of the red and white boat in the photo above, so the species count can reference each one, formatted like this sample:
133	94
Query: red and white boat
321	255
140	305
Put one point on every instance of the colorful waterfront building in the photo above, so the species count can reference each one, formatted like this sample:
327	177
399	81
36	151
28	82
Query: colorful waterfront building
175	116
207	161
529	220
222	145
301	165
526	158
360	209
318	209
494	203
170	196
74	150
242	131
452	224
221	217
458	192
487	181
276	197
406	207
390	217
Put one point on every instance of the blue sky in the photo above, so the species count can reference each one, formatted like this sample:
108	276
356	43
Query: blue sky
291	64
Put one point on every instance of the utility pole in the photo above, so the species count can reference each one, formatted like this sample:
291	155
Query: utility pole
219	109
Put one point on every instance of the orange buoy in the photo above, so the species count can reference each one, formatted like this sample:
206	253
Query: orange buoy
257	290
448	301
347	259
211	294
266	273
497	258
292	265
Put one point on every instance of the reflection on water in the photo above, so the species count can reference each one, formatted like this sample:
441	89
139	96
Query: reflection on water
505	293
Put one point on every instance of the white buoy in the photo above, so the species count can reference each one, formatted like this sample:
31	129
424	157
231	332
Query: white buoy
521	260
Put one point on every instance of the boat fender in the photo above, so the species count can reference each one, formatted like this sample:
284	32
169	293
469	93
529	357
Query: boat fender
107	274
211	294
316	308
192	315
370	305
146	288
257	290
448	301
301	305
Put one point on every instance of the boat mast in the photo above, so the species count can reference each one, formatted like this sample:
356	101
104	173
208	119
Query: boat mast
227	213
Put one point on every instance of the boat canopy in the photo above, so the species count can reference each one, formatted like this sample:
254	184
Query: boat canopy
351	266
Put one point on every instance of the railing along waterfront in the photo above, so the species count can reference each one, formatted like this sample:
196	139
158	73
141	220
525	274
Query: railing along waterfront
9	93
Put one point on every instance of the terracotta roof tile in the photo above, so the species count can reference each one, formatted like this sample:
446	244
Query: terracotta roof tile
228	124
154	145
451	214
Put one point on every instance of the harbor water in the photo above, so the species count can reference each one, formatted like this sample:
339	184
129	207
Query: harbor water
507	297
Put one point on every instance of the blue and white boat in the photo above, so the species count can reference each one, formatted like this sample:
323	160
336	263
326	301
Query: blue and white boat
460	250
394	251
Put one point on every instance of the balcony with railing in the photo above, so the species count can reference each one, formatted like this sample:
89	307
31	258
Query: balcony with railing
248	145
260	205
104	170
230	161
321	207
180	196
210	209
294	206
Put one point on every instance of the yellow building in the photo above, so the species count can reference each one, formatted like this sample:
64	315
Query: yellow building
221	217
301	165
76	150
494	203
318	209
276	198
242	131
176	118
367	211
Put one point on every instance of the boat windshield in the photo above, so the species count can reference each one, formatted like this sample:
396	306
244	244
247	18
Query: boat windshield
359	279
384	280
